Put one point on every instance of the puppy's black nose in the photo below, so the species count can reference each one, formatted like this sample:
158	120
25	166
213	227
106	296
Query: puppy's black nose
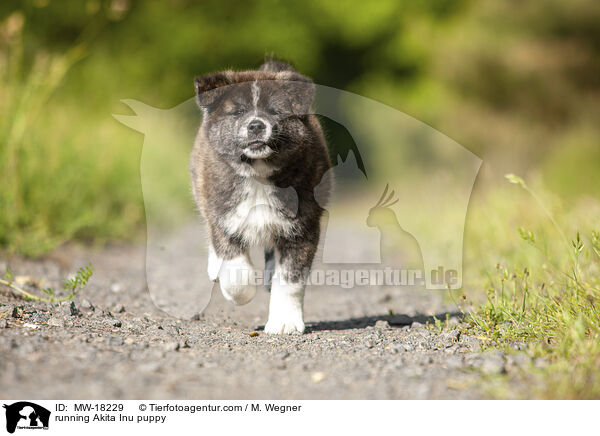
256	127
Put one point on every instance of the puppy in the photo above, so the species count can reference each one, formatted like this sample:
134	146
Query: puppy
257	158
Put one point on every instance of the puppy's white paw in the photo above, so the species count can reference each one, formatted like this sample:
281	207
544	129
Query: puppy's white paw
234	281
239	295
285	327
286	315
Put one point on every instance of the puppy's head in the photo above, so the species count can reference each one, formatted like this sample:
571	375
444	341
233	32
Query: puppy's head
255	114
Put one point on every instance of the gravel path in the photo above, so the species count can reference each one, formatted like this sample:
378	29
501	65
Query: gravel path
113	342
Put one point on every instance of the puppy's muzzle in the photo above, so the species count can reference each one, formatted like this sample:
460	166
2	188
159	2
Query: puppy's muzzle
258	130
256	127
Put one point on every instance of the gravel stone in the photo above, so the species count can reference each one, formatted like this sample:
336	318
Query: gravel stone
282	355
519	360
69	308
55	321
382	325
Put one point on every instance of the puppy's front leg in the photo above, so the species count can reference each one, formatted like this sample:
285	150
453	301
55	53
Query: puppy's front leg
229	261
214	264
235	279
286	307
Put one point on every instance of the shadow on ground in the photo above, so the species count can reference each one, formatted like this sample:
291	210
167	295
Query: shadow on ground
399	320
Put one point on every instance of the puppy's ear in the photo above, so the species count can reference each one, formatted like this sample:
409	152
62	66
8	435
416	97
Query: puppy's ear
210	87
301	91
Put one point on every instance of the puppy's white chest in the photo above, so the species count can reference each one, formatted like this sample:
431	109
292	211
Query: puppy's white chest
257	217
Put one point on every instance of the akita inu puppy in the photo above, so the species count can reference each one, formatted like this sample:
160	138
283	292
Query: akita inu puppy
258	156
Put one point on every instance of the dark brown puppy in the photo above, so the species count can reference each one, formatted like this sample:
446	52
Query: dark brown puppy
258	156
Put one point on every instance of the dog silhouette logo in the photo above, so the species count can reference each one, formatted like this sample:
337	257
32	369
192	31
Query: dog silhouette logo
431	176
26	415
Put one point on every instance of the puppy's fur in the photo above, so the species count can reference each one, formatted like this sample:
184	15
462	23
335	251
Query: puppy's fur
258	156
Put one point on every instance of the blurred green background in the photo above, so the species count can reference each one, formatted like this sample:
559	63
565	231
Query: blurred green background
518	83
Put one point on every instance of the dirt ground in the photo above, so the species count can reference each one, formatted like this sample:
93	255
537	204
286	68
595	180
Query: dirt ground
113	342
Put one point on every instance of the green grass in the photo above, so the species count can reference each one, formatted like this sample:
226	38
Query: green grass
543	295
68	172
71	286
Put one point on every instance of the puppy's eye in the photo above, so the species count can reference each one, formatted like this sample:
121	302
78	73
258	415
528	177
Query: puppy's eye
273	111
238	111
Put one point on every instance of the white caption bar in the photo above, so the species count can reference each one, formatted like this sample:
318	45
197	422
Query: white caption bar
299	417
